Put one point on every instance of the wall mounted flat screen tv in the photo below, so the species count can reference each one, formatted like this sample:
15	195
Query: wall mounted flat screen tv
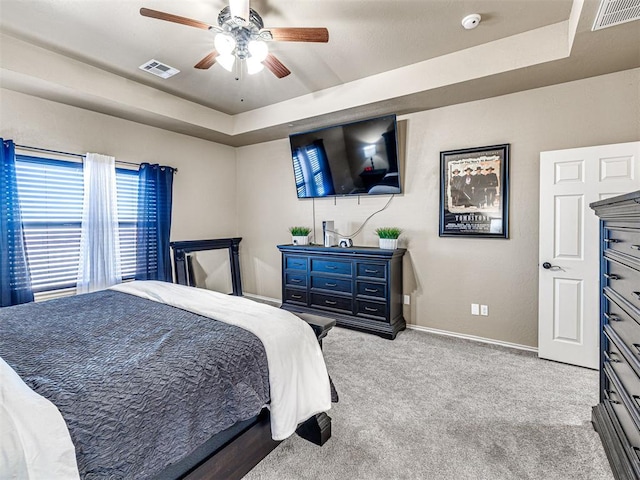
359	158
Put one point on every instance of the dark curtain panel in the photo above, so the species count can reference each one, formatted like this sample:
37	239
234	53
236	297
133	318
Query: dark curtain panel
15	281
155	185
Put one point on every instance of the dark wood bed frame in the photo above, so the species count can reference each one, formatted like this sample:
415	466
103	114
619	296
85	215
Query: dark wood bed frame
232	453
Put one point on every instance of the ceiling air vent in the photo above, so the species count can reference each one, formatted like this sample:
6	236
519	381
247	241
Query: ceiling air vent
615	12
159	69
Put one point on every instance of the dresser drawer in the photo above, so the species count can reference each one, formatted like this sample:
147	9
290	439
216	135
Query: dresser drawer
331	302
616	398
295	296
373	270
624	240
331	266
625	281
624	326
296	263
368	289
331	283
375	310
296	279
625	373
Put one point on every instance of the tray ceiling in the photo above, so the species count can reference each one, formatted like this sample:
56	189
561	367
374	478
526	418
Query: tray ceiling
386	45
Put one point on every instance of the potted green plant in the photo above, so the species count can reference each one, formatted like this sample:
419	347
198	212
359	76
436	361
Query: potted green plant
388	237
300	235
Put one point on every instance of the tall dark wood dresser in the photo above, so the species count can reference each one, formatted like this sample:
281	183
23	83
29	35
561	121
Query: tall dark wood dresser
617	416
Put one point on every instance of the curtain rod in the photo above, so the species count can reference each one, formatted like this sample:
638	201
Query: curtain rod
69	154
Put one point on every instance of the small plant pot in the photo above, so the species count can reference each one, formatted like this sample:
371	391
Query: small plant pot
300	240
389	243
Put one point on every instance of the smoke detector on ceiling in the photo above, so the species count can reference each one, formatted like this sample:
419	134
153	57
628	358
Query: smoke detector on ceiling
615	12
471	21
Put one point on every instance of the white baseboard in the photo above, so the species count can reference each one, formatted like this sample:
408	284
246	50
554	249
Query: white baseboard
429	329
474	338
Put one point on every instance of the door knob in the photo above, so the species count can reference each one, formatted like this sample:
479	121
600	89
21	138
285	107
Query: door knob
548	266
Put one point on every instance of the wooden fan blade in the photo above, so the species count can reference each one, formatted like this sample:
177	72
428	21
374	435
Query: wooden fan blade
300	34
276	66
147	12
207	61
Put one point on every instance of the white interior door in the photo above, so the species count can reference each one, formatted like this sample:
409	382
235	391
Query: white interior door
569	281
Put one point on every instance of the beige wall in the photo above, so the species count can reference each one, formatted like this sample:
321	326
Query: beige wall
445	275
249	191
204	188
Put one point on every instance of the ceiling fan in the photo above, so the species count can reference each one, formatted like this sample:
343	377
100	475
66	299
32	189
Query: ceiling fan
240	35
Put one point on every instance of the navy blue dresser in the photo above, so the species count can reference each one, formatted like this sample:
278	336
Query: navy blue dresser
617	416
360	287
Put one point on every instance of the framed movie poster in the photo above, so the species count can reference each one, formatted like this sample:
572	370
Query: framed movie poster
474	192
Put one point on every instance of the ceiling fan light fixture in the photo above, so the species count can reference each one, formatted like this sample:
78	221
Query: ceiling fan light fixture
224	43
239	8
258	50
226	61
254	66
240	35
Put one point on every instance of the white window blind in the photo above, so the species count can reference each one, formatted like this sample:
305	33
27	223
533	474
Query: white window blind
50	194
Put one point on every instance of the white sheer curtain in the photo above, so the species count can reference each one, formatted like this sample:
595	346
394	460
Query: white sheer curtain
99	266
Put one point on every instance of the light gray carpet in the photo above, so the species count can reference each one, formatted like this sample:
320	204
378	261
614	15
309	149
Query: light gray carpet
426	406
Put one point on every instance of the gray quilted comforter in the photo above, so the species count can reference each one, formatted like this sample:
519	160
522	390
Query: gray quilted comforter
139	384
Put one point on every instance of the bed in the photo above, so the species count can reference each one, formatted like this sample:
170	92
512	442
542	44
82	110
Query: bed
153	380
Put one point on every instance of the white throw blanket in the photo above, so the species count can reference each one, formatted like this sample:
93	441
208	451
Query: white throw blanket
35	442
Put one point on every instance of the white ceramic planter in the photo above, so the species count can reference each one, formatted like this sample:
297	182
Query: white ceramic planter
300	240
389	243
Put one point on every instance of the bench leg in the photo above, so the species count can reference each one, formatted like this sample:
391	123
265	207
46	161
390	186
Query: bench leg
317	429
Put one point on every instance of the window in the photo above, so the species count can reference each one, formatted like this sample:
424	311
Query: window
51	195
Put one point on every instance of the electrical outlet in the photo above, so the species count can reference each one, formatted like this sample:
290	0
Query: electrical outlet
475	309
407	300
484	310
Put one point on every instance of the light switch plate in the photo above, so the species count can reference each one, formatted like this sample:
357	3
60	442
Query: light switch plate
475	309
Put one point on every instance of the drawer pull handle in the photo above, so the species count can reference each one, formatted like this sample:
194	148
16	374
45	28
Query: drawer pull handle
608	399
608	358
367	270
295	280
296	296
368	309
372	290
331	267
611	240
635	247
331	284
329	302
611	276
612	318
